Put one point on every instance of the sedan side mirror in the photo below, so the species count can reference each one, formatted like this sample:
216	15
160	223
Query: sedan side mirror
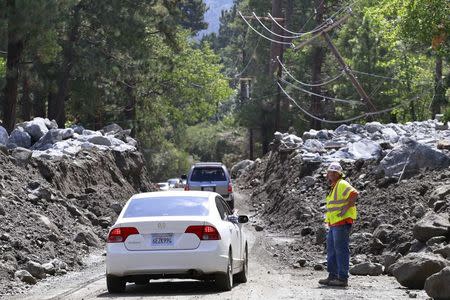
242	219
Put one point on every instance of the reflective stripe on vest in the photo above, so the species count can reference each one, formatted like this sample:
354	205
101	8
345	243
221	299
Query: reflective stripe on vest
336	200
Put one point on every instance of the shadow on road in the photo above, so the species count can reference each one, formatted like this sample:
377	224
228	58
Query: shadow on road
167	288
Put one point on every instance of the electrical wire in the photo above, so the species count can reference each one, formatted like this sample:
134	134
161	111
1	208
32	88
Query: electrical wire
250	60
308	84
272	32
353	102
345	120
262	35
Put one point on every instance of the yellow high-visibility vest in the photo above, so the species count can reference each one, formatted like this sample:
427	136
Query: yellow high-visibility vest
338	198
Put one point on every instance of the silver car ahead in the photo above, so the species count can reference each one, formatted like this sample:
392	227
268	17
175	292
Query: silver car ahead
213	177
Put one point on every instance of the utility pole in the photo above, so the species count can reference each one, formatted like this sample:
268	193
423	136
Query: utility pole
318	57
276	50
324	34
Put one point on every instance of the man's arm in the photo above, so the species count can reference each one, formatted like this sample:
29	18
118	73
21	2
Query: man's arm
351	202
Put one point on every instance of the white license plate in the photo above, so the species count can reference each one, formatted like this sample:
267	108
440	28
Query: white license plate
162	239
208	188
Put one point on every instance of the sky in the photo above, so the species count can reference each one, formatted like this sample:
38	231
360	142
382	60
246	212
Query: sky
213	14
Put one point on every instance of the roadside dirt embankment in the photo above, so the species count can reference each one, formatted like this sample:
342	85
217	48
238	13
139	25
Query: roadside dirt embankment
403	225
56	209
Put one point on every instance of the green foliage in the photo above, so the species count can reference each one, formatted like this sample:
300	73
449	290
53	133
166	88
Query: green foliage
446	115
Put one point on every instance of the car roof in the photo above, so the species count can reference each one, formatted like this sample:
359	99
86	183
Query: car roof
174	194
209	164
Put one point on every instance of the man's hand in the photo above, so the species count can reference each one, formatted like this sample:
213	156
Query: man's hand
351	202
343	210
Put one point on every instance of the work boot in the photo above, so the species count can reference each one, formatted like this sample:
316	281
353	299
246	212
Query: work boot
338	282
326	281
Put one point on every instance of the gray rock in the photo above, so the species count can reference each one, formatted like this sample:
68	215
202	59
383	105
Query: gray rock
50	124
278	136
441	192
100	140
3	136
78	129
59	264
66	133
311	134
365	149
383	232
47	141
373	127
241	166
389	260
22	155
415	156
444	251
130	141
313	146
87	237
2	211
367	268
25	276
323	135
35	269
36	128
419	211
116	207
343	128
111	129
413	269
49	268
431	225
19	138
436	240
259	227
437	285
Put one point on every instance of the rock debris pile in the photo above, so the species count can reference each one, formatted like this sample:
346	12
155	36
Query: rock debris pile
60	190
403	175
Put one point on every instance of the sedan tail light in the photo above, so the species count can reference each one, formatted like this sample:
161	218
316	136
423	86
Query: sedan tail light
186	187
120	234
230	187
204	232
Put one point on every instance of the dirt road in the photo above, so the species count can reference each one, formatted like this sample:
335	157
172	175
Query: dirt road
269	279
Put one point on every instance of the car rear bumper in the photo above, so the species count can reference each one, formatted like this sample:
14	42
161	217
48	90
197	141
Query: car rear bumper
206	259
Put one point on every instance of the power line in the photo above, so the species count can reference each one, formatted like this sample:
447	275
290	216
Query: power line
272	32
250	60
346	120
257	32
308	84
354	102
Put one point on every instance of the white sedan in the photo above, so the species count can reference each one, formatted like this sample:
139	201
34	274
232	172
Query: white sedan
176	235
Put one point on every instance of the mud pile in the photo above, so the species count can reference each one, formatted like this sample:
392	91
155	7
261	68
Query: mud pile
55	209
398	206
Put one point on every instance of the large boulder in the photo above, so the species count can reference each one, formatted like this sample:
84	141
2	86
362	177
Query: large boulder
3	136
36	128
100	140
50	138
437	285
365	149
367	268
431	225
25	276
19	138
111	129
313	146
444	251
373	127
35	269
409	157
413	269
240	166
22	155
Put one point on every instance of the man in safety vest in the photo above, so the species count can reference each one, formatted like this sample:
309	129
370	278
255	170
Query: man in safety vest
340	215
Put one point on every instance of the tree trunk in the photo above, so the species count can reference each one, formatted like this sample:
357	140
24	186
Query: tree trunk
130	108
26	99
318	57
15	47
439	95
59	113
51	107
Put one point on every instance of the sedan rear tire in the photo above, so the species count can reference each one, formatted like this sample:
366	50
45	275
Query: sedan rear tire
224	281
115	284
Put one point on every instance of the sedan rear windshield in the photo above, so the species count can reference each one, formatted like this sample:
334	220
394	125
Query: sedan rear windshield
167	206
208	174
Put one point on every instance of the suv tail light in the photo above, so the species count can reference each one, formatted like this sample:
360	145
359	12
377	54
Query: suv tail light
120	234
204	232
186	187
230	187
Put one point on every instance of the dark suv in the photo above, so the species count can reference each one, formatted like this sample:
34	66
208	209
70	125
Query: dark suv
211	176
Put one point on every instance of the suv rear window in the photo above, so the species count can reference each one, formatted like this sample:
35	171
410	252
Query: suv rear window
208	174
167	206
